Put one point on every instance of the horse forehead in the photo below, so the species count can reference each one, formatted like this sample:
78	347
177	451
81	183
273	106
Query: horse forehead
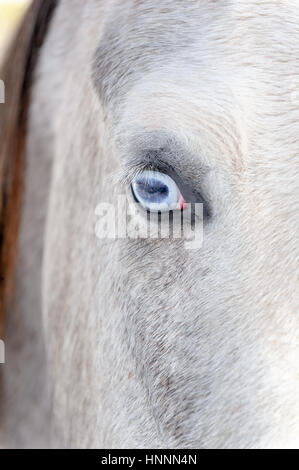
139	37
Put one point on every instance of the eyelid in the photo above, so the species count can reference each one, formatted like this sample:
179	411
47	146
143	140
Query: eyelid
132	171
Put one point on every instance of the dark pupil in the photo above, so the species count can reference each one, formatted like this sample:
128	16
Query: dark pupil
153	191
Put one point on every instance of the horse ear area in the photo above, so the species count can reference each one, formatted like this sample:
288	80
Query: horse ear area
16	74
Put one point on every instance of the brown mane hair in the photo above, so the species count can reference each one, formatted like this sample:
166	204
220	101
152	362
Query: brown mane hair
17	74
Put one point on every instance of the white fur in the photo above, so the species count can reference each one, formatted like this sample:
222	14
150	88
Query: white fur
150	345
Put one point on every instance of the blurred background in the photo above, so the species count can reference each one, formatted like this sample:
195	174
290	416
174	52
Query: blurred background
11	13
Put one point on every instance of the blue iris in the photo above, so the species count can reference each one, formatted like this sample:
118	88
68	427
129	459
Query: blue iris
151	190
156	191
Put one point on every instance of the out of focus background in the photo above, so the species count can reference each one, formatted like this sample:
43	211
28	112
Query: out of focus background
11	13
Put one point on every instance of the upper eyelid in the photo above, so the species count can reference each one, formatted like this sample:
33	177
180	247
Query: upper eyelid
129	172
163	151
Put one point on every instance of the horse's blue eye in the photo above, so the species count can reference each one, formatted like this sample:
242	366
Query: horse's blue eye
157	192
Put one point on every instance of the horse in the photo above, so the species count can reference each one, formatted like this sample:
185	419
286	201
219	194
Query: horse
140	342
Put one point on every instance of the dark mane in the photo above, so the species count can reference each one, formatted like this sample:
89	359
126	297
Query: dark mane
17	74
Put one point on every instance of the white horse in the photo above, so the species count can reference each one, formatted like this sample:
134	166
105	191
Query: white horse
149	344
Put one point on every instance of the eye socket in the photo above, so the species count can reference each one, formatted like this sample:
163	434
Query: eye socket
157	192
